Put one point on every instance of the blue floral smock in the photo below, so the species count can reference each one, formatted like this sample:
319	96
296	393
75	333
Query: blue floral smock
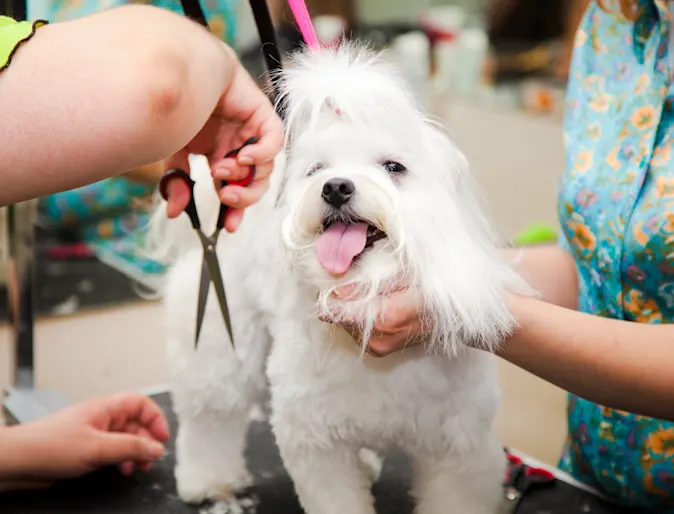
221	14
616	208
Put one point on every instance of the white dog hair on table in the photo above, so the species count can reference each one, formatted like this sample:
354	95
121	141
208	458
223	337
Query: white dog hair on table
370	194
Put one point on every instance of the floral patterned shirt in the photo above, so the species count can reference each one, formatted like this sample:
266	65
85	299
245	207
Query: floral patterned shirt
221	14
616	208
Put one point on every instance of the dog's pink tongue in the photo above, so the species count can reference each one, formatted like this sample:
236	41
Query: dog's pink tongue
339	244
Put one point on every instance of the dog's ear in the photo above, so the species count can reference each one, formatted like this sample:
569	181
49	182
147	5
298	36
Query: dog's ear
451	248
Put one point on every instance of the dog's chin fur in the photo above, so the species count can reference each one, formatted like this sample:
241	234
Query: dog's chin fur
349	112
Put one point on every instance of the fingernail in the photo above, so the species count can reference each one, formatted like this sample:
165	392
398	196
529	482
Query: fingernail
230	198
154	449
245	160
223	172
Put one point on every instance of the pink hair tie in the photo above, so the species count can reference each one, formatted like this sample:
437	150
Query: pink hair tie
301	14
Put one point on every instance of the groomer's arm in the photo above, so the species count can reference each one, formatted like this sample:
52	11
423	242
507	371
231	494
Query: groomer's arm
621	364
624	365
87	99
549	269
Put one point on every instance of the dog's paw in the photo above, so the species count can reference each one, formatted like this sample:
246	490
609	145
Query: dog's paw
371	462
196	486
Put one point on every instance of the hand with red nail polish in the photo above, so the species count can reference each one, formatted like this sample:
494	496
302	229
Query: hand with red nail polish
242	112
126	430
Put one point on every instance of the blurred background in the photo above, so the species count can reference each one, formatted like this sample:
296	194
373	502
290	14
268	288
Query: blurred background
76	315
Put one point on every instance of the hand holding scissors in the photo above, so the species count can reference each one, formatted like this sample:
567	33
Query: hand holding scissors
242	112
210	268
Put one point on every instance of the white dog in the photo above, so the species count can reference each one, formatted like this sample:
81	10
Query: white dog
371	194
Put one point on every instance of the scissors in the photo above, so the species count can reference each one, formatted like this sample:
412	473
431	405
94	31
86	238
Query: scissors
210	267
520	479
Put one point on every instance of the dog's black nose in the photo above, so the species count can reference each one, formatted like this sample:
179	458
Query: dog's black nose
338	191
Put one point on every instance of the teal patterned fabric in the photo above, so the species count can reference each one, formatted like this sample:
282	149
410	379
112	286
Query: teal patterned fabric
616	208
221	14
110	217
103	215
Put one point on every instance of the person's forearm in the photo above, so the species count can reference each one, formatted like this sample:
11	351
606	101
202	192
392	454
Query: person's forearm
98	96
623	365
550	270
13	456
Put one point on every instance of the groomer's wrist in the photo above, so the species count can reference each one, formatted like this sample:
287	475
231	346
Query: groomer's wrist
516	345
18	456
14	451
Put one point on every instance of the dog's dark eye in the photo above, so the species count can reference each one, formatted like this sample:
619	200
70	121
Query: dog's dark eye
393	167
314	168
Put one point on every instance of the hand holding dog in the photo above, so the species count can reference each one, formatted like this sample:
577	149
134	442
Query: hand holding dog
398	325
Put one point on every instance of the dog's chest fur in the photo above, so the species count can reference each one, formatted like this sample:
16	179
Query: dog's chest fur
371	401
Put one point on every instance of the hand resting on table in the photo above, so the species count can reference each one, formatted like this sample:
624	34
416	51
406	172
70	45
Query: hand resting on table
126	430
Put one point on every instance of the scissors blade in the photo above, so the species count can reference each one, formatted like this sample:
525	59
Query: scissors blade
211	260
204	288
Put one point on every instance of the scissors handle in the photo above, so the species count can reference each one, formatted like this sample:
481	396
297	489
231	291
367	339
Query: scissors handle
513	471
537	477
251	174
243	183
512	475
191	208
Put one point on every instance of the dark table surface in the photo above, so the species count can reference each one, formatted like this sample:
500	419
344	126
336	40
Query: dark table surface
107	492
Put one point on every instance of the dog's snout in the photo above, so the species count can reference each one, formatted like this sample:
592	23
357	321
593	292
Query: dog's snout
338	191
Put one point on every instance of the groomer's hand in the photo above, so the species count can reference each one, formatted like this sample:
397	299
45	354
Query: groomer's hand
399	324
243	111
126	430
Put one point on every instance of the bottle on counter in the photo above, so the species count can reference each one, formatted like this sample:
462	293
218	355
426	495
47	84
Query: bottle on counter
412	53
443	24
471	56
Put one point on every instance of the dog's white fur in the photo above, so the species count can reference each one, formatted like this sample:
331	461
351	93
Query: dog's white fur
329	400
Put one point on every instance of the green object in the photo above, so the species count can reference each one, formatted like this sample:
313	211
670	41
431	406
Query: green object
536	234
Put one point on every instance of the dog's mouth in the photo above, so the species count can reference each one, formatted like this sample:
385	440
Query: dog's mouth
342	241
372	235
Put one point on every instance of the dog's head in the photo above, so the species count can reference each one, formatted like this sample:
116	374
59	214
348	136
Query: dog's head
378	199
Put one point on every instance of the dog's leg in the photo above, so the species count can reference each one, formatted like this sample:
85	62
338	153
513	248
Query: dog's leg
209	455
468	481
329	478
214	393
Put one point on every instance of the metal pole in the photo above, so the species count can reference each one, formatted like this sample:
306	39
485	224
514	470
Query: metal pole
21	287
24	402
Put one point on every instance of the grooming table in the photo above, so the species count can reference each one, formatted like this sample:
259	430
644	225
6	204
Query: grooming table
108	492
